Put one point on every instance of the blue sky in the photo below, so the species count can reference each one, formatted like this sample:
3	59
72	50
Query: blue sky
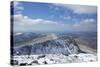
33	16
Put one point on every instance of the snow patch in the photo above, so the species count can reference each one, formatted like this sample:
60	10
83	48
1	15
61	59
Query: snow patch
54	58
18	33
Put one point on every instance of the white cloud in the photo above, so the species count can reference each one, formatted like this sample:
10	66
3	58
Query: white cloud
67	17
86	22
16	3
54	8
86	25
79	9
25	20
27	23
18	7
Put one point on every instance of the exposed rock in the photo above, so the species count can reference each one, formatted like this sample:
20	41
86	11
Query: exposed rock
41	56
45	62
51	59
14	62
23	64
35	61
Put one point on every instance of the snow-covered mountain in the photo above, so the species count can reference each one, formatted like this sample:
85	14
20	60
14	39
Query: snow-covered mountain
48	49
50	44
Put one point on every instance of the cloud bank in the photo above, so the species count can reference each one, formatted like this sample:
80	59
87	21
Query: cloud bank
79	9
25	23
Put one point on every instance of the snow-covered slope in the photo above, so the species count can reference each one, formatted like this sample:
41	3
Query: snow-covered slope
53	59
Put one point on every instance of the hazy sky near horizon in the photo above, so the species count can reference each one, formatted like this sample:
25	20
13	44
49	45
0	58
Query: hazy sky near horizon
35	16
